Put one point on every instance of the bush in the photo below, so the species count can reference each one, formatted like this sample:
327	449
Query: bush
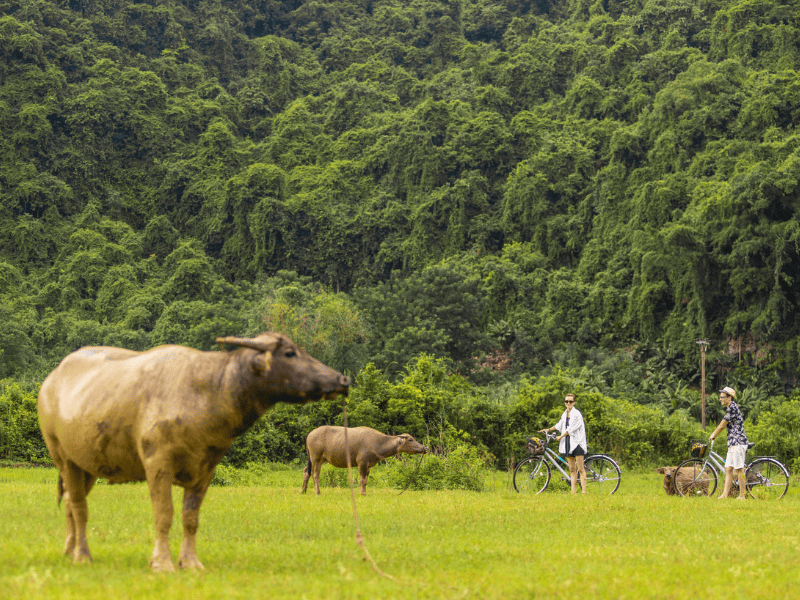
777	433
337	478
460	469
263	442
20	436
224	476
251	474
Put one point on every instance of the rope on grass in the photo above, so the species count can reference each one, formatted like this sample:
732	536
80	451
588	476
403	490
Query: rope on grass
413	475
359	536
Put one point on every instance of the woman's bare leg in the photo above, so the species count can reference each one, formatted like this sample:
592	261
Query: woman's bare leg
573	473
581	472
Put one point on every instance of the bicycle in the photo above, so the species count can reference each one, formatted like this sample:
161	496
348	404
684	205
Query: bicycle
766	477
532	474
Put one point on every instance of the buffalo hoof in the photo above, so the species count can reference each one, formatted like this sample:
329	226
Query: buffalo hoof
81	556
190	562
162	565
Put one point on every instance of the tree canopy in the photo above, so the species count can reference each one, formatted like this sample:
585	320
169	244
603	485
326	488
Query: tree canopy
489	182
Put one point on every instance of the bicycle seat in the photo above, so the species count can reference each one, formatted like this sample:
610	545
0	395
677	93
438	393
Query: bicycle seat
750	445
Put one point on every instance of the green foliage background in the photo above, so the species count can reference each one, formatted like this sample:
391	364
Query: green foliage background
511	187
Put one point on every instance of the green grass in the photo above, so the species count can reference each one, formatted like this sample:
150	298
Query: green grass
268	541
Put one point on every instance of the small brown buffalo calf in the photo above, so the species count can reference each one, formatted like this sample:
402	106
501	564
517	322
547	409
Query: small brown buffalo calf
668	473
685	479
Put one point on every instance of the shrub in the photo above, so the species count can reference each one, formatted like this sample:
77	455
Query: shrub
336	478
20	436
263	442
460	469
777	433
224	475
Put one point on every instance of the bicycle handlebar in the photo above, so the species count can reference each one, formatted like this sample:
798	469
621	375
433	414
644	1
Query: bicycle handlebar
549	437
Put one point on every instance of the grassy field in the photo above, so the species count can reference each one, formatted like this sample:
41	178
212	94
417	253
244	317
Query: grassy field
268	541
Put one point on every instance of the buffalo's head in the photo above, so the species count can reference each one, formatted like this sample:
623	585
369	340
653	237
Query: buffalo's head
667	472
285	372
409	445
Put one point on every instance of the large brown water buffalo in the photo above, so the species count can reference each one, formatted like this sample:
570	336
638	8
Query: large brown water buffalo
367	446
166	416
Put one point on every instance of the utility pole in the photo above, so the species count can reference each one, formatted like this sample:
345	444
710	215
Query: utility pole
703	347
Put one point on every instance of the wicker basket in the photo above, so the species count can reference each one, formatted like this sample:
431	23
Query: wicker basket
698	448
535	446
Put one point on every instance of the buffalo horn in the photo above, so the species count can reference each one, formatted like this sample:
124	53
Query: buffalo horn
262	343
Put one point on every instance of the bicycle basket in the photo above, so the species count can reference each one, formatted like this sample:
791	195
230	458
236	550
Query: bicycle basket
535	446
698	448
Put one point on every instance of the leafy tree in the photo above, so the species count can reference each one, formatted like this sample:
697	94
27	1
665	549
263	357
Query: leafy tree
436	310
525	184
195	323
325	324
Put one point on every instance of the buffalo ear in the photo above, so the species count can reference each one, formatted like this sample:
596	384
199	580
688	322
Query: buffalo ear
660	470
265	343
263	362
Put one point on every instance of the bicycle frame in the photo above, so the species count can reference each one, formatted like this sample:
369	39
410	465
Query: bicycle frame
602	472
717	462
554	459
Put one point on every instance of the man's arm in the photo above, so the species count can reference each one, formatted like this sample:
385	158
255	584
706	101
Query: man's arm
722	425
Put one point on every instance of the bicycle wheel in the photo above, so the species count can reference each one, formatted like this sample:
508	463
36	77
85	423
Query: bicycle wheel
695	477
531	475
767	479
602	474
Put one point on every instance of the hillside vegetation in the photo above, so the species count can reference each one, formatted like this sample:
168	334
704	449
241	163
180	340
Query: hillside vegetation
507	187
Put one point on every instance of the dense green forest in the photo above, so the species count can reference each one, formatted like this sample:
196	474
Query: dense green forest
516	198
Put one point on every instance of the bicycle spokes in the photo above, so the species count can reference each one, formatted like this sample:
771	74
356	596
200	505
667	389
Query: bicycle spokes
766	479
